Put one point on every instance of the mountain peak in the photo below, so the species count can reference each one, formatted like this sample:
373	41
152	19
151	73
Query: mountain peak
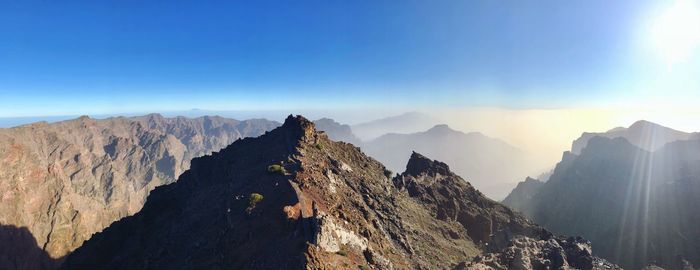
419	164
441	128
299	125
154	116
644	124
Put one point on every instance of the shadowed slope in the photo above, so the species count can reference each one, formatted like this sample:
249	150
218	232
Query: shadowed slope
19	251
637	207
67	180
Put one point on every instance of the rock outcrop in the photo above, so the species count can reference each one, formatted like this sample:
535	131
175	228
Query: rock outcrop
552	253
67	180
293	199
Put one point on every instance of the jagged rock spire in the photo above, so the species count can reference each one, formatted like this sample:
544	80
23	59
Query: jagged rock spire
419	164
299	126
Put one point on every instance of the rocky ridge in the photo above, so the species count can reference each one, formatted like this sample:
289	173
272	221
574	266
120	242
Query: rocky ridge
294	199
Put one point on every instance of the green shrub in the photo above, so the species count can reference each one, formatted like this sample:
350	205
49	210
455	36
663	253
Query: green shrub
364	267
276	168
342	253
318	146
255	198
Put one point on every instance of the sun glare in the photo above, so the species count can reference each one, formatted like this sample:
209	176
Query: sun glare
676	32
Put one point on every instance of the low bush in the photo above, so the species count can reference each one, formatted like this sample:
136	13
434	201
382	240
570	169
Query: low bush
255	198
276	168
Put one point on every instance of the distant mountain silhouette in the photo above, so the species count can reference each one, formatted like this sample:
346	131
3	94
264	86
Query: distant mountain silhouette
293	199
19	251
337	131
637	207
643	134
492	165
404	123
523	193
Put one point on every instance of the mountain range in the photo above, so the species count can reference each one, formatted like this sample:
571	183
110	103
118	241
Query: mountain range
63	182
631	196
644	134
293	199
404	123
480	159
629	190
337	131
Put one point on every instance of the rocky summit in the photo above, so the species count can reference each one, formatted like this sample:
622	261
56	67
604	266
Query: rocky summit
293	199
62	182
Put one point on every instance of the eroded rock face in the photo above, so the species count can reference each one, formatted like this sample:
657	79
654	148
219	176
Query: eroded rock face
453	199
330	207
553	253
67	180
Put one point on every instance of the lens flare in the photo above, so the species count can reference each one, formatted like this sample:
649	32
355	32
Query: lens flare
676	32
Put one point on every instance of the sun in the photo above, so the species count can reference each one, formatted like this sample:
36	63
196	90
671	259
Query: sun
676	32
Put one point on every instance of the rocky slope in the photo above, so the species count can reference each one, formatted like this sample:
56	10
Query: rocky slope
492	165
637	207
643	134
293	199
67	180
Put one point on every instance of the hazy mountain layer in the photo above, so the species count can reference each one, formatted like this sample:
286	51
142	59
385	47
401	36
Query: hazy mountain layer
637	207
293	199
67	180
337	131
490	164
643	134
522	194
404	123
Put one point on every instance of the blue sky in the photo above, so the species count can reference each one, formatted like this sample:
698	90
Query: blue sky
60	58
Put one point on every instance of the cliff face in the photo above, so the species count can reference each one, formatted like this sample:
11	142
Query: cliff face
67	180
636	207
293	199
